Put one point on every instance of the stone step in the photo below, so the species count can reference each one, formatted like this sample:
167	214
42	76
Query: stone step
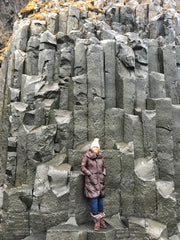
82	232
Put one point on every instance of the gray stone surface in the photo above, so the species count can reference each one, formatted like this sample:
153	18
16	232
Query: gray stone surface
96	92
164	137
166	205
53	22
46	64
31	63
18	110
82	73
15	207
127	180
64	121
109	58
145	188
156	85
114	125
20	34
29	87
38	140
154	64
149	132
80	109
125	83
80	60
63	15
170	73
78	204
37	27
133	132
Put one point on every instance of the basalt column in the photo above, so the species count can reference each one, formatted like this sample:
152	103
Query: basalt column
96	91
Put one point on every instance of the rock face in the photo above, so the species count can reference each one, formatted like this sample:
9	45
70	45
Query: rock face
9	13
76	71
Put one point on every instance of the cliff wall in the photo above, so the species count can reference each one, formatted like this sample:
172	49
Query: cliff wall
74	71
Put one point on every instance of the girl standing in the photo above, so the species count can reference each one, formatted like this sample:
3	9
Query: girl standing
92	165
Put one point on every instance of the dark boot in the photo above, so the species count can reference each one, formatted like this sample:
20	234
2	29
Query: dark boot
96	219
102	223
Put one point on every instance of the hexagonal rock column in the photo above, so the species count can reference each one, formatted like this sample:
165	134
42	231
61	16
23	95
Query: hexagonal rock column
79	208
125	78
103	234
17	69
16	205
20	34
114	126
127	178
46	60
141	228
32	55
112	181
96	92
66	232
170	73
51	196
64	136
17	113
137	228
145	188
73	18
82	232
154	65
53	22
29	88
149	132
63	16
109	68
80	59
40	143
80	109
176	140
164	138
166	204
156	85
133	133
21	165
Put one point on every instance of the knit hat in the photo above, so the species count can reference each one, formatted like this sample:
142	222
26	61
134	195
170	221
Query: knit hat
95	143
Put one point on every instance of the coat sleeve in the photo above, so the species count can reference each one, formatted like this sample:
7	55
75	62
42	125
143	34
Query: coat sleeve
84	166
104	169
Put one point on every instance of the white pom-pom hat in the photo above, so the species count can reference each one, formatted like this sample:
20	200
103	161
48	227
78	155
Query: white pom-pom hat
95	143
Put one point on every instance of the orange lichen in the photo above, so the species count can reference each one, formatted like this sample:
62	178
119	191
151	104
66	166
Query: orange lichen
1	58
174	18
37	16
43	4
55	10
165	9
93	8
30	6
2	51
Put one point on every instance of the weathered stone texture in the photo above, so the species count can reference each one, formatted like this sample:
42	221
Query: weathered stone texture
80	109
110	64
145	188
81	73
133	133
114	126
96	103
149	132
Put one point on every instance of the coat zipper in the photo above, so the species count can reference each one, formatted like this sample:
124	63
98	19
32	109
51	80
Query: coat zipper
98	176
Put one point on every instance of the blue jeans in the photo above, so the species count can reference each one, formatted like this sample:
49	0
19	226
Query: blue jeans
96	205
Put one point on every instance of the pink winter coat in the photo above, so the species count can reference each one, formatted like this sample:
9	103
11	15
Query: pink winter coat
92	165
